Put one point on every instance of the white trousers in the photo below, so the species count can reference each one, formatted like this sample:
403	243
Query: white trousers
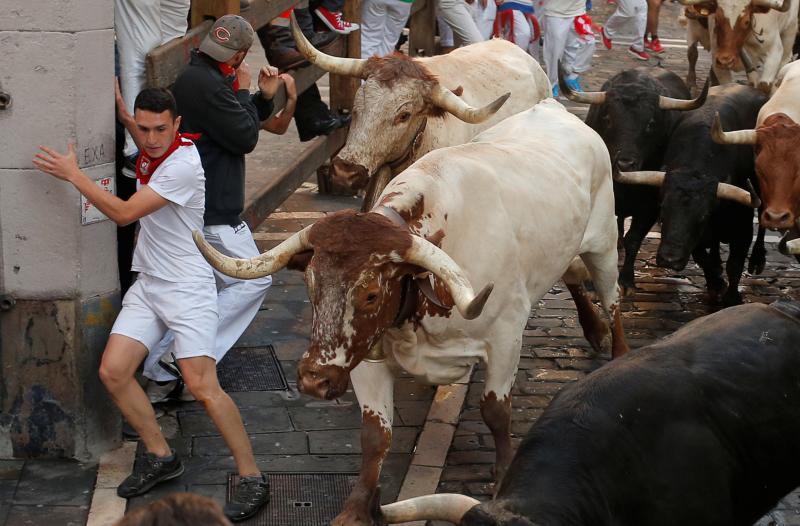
238	300
562	42
483	17
629	21
142	25
457	15
382	21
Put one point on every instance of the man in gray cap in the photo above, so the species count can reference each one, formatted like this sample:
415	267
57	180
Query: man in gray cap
214	100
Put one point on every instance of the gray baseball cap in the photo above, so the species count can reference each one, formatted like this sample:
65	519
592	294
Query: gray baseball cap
229	34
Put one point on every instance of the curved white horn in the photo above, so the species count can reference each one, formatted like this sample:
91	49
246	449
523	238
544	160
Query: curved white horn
734	193
793	247
447	100
258	266
583	97
651	178
442	506
732	137
668	103
427	255
777	5
351	67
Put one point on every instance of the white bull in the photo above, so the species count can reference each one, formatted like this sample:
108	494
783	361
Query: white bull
513	208
763	29
405	107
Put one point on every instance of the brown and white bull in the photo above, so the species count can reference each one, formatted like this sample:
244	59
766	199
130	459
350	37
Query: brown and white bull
405	107
508	211
763	29
776	140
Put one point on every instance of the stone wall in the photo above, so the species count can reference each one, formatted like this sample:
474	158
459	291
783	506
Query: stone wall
58	66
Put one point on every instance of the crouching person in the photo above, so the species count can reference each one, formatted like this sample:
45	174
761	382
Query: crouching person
175	291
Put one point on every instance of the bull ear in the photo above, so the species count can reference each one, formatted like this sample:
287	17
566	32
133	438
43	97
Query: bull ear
300	260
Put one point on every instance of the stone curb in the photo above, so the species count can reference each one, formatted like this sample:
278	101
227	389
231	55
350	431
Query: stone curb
434	442
106	507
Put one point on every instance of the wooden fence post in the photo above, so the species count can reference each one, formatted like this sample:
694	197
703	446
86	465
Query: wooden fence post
421	41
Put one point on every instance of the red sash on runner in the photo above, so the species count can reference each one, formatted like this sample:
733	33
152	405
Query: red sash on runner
146	165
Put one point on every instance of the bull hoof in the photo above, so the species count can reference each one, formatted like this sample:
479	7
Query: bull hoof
716	294
732	297
351	518
756	264
627	286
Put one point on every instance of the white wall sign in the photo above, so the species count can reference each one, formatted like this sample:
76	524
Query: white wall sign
89	213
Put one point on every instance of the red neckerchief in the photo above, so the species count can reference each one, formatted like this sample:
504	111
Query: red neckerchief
146	165
229	71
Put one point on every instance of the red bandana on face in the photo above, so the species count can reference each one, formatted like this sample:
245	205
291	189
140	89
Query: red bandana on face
146	165
229	71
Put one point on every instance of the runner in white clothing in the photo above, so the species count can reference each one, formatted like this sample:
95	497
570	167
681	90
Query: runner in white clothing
564	42
175	291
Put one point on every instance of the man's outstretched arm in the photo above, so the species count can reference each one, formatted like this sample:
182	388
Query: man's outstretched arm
65	167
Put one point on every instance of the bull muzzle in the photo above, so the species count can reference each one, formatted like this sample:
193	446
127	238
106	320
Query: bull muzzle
777	219
347	174
727	61
322	381
673	260
627	164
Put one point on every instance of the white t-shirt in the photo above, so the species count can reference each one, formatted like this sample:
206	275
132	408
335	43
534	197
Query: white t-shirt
165	248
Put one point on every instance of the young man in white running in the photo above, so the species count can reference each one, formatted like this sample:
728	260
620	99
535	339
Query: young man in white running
175	291
628	21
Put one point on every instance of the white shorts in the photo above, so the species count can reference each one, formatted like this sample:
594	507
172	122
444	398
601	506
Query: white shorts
152	306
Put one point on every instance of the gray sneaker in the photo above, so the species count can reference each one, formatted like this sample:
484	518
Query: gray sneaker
251	495
148	471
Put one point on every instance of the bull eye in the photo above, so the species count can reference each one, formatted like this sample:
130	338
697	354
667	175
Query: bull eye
371	297
402	117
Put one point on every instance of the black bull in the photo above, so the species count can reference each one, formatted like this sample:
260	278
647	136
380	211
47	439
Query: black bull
693	220
700	428
636	130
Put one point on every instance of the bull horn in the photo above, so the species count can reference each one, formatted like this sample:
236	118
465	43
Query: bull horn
448	507
584	97
732	137
777	5
651	178
447	100
349	67
793	247
668	103
258	266
430	257
736	194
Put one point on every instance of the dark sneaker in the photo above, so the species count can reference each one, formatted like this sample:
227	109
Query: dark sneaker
251	495
148	471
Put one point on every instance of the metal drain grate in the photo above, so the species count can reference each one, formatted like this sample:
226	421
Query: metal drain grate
251	369
301	499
